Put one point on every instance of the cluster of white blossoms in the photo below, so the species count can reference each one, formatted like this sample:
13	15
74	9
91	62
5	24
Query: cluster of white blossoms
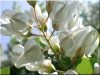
72	38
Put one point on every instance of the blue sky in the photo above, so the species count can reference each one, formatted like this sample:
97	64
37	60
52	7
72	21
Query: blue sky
7	4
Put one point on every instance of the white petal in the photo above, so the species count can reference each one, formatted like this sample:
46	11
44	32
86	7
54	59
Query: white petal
38	12
30	56
14	58
43	67
29	44
65	14
89	50
32	67
50	52
67	45
4	31
54	40
97	68
8	13
9	28
18	49
4	21
16	52
46	67
17	24
72	42
92	35
30	16
70	72
24	17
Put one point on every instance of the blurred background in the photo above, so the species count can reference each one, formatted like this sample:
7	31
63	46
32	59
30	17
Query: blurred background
90	16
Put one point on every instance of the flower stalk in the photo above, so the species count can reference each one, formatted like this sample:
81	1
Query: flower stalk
56	55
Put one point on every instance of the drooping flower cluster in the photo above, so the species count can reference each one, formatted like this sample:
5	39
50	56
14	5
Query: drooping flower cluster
71	37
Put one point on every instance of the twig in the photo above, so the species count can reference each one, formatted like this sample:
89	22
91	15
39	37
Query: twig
52	34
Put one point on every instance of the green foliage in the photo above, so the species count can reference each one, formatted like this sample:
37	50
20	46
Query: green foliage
5	71
85	66
66	61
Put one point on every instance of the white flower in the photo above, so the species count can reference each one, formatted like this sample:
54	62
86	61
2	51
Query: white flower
97	68
72	72
65	14
17	23
29	53
39	17
79	42
43	67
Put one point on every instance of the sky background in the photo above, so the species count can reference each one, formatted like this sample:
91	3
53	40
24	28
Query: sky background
7	4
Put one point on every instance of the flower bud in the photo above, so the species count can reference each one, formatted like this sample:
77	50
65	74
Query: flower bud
32	3
48	7
46	67
56	26
72	72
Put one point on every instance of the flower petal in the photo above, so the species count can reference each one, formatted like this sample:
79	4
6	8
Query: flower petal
30	56
70	72
89	50
9	28
97	68
8	13
32	67
92	35
30	42
72	42
65	14
17	24
4	31
16	52
46	67
24	17
18	49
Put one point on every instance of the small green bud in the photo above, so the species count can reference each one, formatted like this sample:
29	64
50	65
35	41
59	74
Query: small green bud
43	28
57	48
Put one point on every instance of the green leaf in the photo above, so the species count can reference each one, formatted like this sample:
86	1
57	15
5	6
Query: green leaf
5	71
84	67
41	42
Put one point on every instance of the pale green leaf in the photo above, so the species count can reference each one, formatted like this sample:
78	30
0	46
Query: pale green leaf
85	66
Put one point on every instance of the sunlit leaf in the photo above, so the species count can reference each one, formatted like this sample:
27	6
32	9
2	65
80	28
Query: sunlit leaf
5	71
84	67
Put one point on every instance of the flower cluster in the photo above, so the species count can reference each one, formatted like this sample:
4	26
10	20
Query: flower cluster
70	38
